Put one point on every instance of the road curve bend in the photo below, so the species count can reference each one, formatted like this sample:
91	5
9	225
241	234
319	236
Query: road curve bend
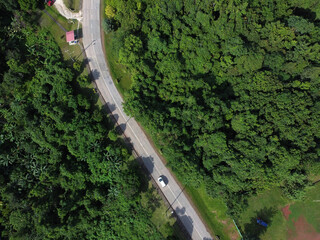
100	72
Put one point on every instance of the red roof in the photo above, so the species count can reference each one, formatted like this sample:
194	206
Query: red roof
70	36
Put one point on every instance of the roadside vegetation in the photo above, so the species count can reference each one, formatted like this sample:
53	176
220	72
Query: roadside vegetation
229	92
120	73
71	53
64	172
161	217
73	5
214	213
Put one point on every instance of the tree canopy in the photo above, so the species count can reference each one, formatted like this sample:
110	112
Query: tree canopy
62	174
229	90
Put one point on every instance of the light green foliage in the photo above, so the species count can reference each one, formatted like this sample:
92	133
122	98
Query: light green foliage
83	80
77	66
112	135
110	12
129	52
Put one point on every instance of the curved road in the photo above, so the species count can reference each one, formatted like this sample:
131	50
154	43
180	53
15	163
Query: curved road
100	72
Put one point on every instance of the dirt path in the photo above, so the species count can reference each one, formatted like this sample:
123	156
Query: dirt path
303	230
66	12
286	211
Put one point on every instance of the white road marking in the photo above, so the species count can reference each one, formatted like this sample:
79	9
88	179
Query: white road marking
141	143
126	121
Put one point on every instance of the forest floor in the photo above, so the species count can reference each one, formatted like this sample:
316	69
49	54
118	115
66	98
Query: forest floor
286	219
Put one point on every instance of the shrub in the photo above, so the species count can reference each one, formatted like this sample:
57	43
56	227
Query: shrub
108	25
110	12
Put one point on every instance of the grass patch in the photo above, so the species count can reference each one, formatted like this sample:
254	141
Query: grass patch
268	206
161	218
313	171
309	207
213	211
68	52
119	73
73	5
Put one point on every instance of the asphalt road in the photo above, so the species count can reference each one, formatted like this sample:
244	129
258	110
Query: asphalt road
100	72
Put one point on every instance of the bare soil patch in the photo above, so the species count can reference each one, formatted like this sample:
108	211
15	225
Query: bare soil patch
286	211
303	231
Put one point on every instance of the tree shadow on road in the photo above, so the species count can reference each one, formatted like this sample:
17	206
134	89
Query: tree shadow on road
142	171
95	74
186	221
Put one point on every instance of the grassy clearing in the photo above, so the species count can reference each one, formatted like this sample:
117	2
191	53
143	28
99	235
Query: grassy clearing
309	208
213	211
68	52
73	5
268	206
161	218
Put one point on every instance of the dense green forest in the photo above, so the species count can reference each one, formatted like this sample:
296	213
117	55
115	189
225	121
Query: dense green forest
64	174
229	90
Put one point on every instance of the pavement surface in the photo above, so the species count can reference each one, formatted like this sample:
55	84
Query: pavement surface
100	72
64	11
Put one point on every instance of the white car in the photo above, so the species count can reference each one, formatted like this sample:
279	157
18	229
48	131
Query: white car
162	183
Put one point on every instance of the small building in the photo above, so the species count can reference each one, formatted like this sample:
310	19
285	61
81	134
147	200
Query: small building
71	38
50	3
